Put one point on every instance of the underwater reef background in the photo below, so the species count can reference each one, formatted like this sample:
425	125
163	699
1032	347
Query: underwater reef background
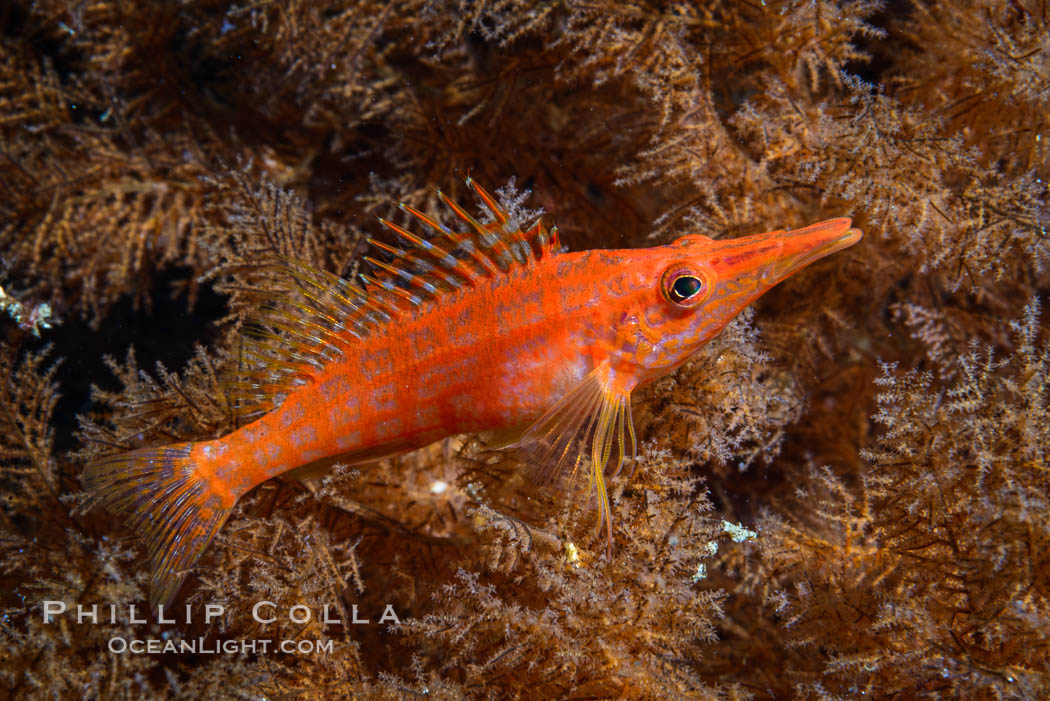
845	494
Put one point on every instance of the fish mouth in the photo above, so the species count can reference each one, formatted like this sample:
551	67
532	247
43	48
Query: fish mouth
803	247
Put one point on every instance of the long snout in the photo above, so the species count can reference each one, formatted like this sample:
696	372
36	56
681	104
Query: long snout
771	257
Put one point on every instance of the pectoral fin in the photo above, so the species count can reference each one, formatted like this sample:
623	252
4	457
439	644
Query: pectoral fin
589	429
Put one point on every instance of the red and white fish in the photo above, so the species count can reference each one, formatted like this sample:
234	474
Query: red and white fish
461	332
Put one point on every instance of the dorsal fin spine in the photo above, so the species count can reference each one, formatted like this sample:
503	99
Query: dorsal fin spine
485	236
351	309
479	257
408	277
430	269
392	250
489	201
392	269
270	360
299	332
539	233
389	286
462	213
323	335
413	299
334	286
410	260
379	297
504	242
330	335
436	226
361	309
305	359
439	254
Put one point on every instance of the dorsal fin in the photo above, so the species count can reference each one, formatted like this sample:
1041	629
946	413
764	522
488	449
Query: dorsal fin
300	330
453	259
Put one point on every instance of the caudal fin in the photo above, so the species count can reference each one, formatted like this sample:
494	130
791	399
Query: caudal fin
166	500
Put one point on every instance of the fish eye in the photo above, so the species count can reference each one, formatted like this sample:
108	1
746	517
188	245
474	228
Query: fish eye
684	287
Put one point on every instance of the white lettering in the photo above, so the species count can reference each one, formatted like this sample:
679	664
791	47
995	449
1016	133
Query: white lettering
53	608
326	619
389	615
291	614
160	615
123	645
211	611
255	612
92	614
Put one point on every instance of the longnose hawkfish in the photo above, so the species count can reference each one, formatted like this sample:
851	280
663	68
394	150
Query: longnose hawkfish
467	331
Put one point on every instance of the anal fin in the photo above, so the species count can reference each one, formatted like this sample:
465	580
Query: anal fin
365	456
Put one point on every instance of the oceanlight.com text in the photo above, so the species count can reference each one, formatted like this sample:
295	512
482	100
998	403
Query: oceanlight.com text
201	646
